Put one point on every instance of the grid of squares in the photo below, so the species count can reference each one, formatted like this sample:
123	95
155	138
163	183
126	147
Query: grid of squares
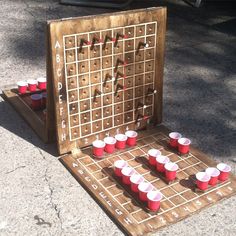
174	195
86	69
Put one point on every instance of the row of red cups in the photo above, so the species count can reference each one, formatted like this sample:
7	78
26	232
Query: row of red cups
38	100
177	141
109	144
32	85
211	175
162	164
138	184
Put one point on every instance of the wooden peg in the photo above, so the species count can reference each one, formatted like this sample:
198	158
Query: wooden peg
119	62
140	45
118	87
82	42
95	40
107	38
119	35
140	104
96	93
108	76
151	91
118	75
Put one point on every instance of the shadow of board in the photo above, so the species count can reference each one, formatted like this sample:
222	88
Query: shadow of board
11	121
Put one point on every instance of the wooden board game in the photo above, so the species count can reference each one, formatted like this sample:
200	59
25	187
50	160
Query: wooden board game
180	199
107	73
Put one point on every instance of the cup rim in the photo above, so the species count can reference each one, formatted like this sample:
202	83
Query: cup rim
184	141
162	159
109	140
32	81
42	79
212	171
201	175
136	178
36	96
121	137
120	166
127	171
154	152
145	187
154	195
173	135
131	134
98	144
171	166
22	83
223	167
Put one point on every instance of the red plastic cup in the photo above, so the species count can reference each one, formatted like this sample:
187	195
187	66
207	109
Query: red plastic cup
98	148
224	171
160	163
42	83
174	137
36	101
184	145
110	144
154	200
152	155
120	141
44	99
22	87
32	85
131	137
170	170
119	165
135	180
143	189
127	172
202	180
214	174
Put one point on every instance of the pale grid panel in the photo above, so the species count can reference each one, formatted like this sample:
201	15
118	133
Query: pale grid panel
100	70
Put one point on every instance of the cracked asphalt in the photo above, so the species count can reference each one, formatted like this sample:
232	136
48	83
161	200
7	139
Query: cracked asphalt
38	195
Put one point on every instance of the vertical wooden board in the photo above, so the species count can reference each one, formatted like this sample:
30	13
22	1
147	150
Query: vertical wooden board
95	62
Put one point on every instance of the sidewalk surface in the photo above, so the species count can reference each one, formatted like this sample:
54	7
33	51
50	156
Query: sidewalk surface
38	196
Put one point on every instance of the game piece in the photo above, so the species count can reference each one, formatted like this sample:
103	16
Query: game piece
151	91
36	101
224	171
94	41
135	180
119	165
120	141
143	188
22	87
127	172
184	145
140	45
44	99
131	137
42	83
96	93
98	148
154	199
32	85
107	38
118	75
152	155
119	62
170	170
109	144
174	137
119	35
160	163
202	180
214	174
107	77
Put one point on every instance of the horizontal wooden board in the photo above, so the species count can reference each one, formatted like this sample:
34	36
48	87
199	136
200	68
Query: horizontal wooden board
180	198
107	73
